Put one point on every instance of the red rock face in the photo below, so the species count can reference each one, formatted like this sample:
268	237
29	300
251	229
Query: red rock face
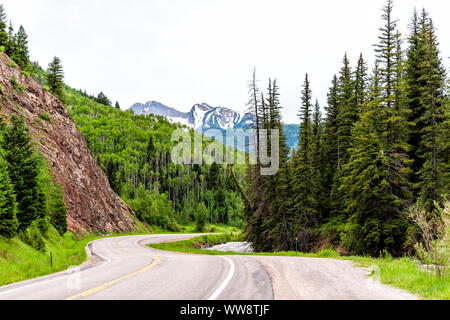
92	204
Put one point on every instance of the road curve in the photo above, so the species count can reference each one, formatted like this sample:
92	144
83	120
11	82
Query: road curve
124	268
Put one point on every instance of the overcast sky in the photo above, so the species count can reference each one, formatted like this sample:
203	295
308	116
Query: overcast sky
185	52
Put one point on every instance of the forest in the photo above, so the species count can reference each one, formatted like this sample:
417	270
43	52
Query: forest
362	176
371	167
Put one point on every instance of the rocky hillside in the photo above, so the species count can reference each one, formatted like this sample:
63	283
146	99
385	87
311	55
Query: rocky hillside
91	203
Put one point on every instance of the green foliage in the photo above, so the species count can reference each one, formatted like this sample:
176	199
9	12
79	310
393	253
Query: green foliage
153	208
8	205
18	87
35	237
54	77
201	214
434	247
383	145
135	153
45	116
23	172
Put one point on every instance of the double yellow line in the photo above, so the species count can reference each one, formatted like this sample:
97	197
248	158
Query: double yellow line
110	283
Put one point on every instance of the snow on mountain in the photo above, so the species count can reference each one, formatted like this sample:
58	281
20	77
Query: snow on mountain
201	117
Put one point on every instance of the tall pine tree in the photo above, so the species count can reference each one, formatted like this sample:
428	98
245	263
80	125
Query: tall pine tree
23	171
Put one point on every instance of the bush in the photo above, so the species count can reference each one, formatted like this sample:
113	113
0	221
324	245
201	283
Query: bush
201	214
45	116
434	249
36	238
18	87
32	236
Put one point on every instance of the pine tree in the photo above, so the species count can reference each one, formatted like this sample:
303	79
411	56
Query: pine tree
304	202
432	98
8	206
277	187
22	56
111	174
117	105
348	111
375	215
385	50
58	212
415	55
11	47
55	76
3	28
360	84
330	146
103	99
319	192
23	171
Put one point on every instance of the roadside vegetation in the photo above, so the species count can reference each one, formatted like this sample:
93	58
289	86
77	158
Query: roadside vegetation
404	273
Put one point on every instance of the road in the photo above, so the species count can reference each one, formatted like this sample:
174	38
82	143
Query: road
124	268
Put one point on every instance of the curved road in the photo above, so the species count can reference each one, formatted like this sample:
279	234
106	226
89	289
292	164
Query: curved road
124	268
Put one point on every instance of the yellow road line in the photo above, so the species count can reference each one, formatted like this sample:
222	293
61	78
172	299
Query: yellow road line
110	283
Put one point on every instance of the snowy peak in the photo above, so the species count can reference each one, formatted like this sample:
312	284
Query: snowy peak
201	117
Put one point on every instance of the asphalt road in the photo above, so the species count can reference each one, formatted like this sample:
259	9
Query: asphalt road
124	268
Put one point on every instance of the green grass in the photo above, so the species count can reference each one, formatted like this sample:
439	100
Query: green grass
19	261
406	274
402	273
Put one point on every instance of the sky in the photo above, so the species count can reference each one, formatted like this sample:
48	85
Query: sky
180	52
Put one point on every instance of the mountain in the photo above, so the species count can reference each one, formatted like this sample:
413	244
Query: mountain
203	117
91	203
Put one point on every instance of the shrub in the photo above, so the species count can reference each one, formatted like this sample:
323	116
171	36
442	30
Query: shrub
18	87
201	215
434	249
36	238
45	116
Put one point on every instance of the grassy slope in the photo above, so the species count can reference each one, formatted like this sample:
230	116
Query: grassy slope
402	273
19	261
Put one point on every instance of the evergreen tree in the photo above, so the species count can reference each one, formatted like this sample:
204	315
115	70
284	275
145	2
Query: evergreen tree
360	84
111	174
11	47
375	215
304	202
58	212
3	28
432	98
8	218
414	82
22	56
55	76
348	112
103	99
317	162
330	146
117	105
277	187
23	172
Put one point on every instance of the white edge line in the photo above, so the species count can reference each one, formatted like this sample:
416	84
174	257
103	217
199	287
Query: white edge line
61	276
225	282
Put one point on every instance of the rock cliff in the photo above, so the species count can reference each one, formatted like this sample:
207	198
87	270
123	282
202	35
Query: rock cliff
92	205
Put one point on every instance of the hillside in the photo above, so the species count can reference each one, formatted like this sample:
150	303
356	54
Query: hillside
92	205
135	153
